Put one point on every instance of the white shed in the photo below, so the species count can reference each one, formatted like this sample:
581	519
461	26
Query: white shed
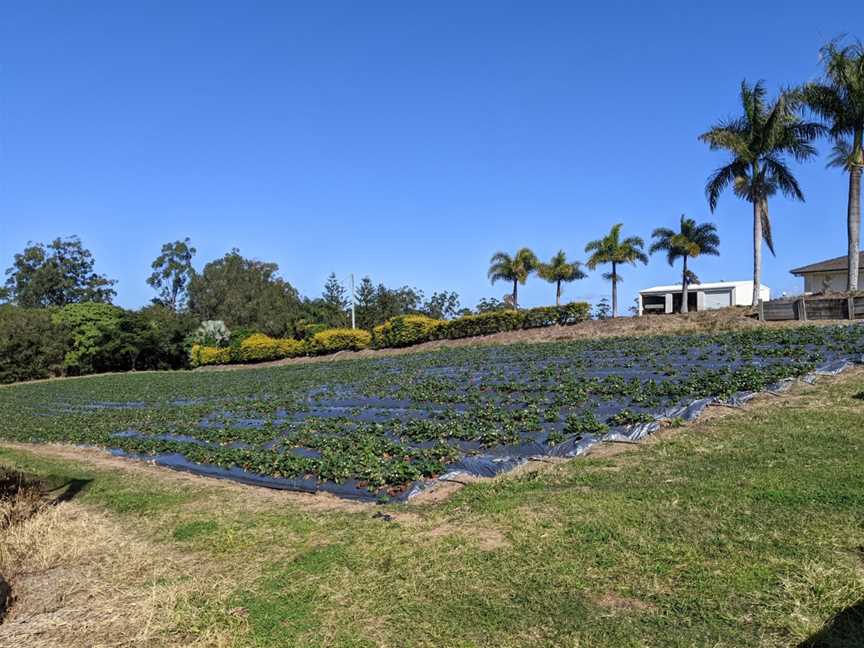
705	296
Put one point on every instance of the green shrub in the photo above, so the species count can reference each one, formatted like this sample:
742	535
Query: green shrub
170	331
32	345
201	355
565	315
309	330
406	330
259	347
89	324
340	339
238	335
482	324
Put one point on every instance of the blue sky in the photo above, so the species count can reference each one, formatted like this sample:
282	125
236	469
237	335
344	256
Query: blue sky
403	140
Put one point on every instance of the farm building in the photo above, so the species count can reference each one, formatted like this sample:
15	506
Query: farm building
828	276
706	296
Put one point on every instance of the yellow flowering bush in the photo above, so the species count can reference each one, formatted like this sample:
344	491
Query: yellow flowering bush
206	355
340	339
259	347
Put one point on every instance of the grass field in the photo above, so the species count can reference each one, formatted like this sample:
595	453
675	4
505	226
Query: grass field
744	529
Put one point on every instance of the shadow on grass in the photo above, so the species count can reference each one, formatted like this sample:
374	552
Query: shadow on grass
68	491
844	630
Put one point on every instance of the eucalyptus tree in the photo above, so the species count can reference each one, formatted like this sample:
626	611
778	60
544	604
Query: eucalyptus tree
517	268
690	241
56	274
614	250
838	99
758	143
558	271
172	273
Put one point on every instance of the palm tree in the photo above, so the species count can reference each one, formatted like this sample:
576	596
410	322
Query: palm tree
690	241
611	249
559	270
503	267
839	101
759	141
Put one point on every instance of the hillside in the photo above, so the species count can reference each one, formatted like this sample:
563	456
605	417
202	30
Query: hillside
729	319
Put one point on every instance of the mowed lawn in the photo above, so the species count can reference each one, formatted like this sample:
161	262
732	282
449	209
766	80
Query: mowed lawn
745	529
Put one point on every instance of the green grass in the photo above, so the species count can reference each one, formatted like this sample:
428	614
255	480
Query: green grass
743	531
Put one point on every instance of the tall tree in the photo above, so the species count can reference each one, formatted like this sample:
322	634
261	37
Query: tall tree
559	270
758	142
839	101
690	241
334	293
245	292
365	304
441	305
334	303
172	272
614	250
56	274
517	268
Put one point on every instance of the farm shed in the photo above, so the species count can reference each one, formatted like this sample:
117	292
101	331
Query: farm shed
829	275
707	296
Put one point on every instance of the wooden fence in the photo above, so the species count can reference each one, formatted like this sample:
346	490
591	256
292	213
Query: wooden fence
813	308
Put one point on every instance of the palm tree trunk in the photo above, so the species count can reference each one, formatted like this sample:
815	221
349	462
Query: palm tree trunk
558	294
684	295
757	250
854	224
515	294
614	290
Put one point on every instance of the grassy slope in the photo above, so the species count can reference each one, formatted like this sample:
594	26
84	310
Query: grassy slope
742	530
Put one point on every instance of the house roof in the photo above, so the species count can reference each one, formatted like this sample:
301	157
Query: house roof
747	285
831	265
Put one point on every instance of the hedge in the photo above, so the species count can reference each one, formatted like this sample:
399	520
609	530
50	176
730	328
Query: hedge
259	348
206	355
482	324
565	315
339	339
406	330
402	331
512	320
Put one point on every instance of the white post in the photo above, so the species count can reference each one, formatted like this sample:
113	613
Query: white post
353	323
669	303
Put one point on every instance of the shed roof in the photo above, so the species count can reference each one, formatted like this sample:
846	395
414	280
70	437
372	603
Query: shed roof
830	265
717	285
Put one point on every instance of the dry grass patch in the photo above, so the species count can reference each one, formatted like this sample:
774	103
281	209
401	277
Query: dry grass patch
78	578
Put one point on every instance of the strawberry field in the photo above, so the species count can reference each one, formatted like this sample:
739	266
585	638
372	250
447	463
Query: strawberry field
383	428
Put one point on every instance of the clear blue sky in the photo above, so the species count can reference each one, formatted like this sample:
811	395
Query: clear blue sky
404	140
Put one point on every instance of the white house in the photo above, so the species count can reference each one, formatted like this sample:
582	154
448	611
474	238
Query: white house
828	276
706	296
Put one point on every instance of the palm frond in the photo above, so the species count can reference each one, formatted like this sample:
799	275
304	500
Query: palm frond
721	179
781	174
841	155
766	228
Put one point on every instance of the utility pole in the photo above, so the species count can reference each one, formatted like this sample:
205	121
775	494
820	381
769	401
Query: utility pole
353	323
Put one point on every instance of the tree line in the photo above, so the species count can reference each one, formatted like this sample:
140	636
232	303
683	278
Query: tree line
243	292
